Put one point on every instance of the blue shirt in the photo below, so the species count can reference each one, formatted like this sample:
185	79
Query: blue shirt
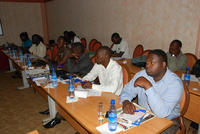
162	98
27	43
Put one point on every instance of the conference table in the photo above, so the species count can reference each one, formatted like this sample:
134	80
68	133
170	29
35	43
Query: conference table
82	115
194	104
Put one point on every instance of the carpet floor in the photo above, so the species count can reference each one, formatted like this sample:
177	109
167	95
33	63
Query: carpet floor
20	109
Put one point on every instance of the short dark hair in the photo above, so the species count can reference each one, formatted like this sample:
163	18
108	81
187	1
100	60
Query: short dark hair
107	49
65	32
160	53
79	46
38	37
61	37
51	42
25	34
115	35
178	42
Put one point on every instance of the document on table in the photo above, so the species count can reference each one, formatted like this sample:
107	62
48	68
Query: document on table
84	93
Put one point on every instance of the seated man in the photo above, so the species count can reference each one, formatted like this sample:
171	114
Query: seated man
158	89
108	71
120	47
78	62
177	61
82	66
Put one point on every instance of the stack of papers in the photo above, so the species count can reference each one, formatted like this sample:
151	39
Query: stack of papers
84	93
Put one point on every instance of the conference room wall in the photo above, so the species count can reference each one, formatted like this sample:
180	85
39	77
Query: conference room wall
153	23
17	17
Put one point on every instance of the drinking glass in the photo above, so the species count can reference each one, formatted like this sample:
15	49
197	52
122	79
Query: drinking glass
100	112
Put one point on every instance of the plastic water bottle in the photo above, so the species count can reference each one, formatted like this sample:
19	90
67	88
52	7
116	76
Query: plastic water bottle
187	76
21	56
9	52
54	78
71	87
29	62
112	117
14	54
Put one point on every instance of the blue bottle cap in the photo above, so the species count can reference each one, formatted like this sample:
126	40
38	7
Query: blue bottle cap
188	67
112	101
70	76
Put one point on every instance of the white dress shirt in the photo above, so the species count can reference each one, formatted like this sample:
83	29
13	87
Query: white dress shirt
110	78
122	47
39	50
76	39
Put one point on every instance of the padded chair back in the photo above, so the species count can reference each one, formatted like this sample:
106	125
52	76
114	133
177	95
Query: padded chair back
191	59
96	46
92	42
126	74
179	74
185	99
93	59
83	41
138	51
146	52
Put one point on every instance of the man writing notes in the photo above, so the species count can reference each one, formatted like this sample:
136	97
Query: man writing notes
108	71
158	89
120	47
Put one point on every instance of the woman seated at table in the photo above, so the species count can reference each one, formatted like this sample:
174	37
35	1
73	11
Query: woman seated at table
26	42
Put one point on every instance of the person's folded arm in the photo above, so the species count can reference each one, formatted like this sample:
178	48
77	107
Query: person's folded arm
163	106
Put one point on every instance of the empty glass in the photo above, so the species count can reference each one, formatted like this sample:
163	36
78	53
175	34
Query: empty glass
100	112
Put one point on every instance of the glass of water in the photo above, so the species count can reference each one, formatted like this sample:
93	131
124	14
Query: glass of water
100	112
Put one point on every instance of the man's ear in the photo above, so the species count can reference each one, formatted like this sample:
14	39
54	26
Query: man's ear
164	64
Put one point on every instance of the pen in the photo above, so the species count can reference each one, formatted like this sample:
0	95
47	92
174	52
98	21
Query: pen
123	126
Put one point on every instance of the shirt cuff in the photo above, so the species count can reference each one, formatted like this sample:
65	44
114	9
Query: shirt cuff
95	86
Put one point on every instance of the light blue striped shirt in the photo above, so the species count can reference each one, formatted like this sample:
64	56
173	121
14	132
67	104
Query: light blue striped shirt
162	98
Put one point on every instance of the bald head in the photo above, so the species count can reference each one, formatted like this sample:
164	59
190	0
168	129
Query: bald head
103	55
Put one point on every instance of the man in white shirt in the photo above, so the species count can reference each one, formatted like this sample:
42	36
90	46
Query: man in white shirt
108	71
38	48
120	47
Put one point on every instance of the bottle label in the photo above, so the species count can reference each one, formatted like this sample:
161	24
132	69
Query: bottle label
71	88
54	78
112	117
187	77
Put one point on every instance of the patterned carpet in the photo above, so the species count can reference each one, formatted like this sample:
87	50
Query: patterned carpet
20	109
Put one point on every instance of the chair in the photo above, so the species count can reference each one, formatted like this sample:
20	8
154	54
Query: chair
92	42
191	59
83	41
93	59
138	51
33	132
179	74
185	99
126	74
96	46
146	52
